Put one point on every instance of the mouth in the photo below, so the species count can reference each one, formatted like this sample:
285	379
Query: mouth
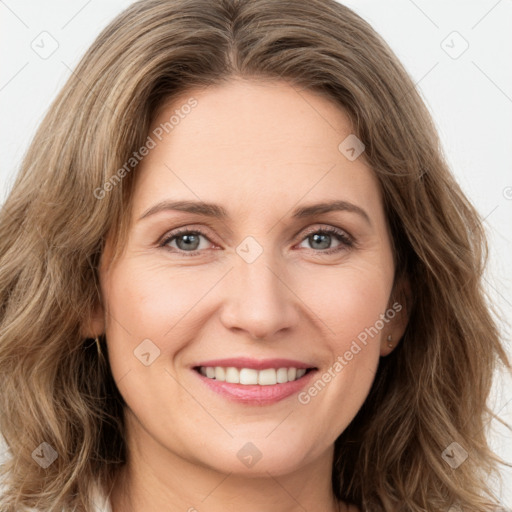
253	382
251	376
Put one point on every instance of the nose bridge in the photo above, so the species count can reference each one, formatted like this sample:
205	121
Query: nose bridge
258	298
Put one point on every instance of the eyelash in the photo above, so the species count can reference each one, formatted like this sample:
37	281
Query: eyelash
347	241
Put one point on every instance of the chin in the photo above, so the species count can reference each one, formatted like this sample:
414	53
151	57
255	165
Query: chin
257	457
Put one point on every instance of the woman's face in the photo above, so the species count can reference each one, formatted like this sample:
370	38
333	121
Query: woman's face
272	284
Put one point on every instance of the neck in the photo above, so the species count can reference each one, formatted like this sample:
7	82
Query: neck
155	478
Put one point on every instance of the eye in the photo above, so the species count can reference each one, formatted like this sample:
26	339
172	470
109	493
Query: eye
185	241
321	239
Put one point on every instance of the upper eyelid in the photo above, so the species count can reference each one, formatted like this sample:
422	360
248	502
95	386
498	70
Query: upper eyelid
323	227
187	228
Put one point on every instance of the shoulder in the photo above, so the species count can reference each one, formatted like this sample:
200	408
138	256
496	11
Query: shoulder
101	502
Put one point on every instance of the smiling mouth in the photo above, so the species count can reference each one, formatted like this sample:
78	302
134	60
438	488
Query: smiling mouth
250	376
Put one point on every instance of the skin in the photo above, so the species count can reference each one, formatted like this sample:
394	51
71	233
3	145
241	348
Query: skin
258	149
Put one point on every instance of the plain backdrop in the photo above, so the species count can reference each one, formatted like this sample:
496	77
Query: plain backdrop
458	52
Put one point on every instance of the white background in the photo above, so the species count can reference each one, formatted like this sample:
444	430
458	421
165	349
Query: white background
469	96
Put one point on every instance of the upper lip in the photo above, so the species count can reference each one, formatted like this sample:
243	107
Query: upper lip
256	364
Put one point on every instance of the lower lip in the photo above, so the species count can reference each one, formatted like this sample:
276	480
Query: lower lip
255	394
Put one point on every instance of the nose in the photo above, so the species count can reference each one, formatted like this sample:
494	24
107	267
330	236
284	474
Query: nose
259	300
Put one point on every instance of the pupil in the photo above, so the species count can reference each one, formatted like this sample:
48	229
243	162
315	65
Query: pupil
189	240
318	238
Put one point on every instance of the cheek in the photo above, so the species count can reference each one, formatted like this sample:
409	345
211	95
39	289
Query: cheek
348	299
156	302
150	300
149	311
350	304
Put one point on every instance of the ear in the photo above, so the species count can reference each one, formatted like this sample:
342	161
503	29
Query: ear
94	325
398	313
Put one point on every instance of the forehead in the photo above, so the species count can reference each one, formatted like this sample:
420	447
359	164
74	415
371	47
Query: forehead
255	143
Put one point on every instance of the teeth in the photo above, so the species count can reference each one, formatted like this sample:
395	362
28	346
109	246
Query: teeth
248	376
232	375
220	373
282	375
268	377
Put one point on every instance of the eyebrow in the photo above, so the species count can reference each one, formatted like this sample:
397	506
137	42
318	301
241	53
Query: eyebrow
217	211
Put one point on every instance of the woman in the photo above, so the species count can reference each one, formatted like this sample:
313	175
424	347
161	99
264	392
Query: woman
236	273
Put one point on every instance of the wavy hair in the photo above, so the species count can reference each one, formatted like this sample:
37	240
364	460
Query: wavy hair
431	391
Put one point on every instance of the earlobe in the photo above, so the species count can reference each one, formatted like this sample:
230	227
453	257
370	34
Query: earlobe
394	332
95	324
387	345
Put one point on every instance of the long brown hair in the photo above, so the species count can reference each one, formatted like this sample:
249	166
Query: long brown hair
433	389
